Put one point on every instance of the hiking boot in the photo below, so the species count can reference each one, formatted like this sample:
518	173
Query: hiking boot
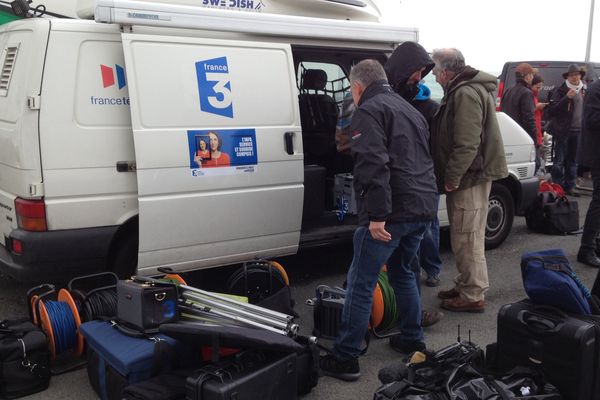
430	317
432	281
460	304
406	347
448	294
346	370
588	257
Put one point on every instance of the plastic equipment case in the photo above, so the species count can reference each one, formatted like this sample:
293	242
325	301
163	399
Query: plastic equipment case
249	375
565	347
116	360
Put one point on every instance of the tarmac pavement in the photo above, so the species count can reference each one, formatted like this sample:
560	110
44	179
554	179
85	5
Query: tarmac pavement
327	266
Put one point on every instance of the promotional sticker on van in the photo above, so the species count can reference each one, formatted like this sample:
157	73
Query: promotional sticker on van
112	78
222	151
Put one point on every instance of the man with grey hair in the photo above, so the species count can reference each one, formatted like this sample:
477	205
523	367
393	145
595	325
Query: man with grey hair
468	154
396	202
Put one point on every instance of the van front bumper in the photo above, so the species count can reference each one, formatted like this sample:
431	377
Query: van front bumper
529	191
56	255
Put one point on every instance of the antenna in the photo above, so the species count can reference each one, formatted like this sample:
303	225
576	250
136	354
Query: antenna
458	337
470	336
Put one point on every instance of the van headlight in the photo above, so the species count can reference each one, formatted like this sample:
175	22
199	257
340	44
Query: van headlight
532	154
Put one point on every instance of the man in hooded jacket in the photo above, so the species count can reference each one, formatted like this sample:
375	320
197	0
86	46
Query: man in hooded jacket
405	68
468	155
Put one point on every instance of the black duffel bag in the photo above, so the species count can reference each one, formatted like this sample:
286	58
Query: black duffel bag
24	359
552	214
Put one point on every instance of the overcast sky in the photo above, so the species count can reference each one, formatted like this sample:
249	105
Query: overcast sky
490	32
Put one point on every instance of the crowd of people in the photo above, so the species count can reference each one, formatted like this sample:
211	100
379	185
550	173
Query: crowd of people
407	150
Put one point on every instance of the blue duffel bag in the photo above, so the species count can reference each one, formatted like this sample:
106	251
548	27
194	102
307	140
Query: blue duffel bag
549	279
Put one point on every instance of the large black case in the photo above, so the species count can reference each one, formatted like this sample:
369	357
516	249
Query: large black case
248	376
565	347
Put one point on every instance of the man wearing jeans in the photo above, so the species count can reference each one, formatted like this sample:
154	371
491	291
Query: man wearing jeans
396	202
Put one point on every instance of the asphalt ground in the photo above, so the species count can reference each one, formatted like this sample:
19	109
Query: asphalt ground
327	266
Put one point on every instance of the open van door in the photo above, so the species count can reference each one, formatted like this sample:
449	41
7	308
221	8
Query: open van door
218	150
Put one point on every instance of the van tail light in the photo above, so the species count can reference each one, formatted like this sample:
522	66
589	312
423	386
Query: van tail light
31	215
499	96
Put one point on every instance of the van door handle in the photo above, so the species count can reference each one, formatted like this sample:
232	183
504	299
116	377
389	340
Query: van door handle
289	142
126	166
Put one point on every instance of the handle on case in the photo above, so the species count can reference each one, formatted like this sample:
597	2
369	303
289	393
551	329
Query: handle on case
542	323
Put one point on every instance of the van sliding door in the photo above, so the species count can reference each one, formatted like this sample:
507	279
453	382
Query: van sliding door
218	150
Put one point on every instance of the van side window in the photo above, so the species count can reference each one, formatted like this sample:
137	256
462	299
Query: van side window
321	88
8	63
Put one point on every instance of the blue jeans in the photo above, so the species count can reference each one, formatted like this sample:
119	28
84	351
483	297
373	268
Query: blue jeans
369	256
429	250
564	167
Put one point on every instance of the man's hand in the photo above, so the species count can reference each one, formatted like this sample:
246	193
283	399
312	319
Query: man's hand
450	188
571	93
378	231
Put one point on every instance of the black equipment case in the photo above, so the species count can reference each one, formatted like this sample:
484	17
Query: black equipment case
248	375
147	304
565	347
24	359
116	360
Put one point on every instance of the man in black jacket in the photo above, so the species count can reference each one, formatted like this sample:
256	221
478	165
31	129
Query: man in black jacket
565	112
588	252
518	104
396	201
405	68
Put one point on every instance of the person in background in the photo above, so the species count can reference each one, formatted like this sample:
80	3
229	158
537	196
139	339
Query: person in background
565	111
589	251
518	103
396	201
536	86
406	67
468	154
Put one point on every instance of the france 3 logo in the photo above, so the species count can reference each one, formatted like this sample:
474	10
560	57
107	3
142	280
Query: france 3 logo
108	76
214	86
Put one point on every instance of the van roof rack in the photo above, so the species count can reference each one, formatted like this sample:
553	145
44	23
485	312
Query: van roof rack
135	12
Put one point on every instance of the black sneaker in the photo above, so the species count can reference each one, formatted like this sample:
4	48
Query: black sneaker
346	370
401	346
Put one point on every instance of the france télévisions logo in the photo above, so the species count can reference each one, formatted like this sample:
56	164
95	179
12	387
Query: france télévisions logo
214	86
110	74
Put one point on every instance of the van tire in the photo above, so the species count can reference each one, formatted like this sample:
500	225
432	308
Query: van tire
125	256
501	213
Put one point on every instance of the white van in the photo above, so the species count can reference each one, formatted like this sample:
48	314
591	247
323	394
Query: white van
104	131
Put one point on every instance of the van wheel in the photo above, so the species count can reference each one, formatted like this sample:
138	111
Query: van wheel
125	256
501	213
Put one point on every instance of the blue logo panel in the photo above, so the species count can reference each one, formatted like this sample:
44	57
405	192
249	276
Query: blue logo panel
214	86
120	76
222	148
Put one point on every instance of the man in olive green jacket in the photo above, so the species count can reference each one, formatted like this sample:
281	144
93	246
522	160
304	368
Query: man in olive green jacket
468	155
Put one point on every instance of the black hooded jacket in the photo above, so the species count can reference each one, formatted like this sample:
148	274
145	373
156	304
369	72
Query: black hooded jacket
406	59
393	169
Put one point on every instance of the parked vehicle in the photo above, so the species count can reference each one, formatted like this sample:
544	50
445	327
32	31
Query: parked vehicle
104	129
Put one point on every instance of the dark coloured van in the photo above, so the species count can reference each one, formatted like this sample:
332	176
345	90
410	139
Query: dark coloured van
551	71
